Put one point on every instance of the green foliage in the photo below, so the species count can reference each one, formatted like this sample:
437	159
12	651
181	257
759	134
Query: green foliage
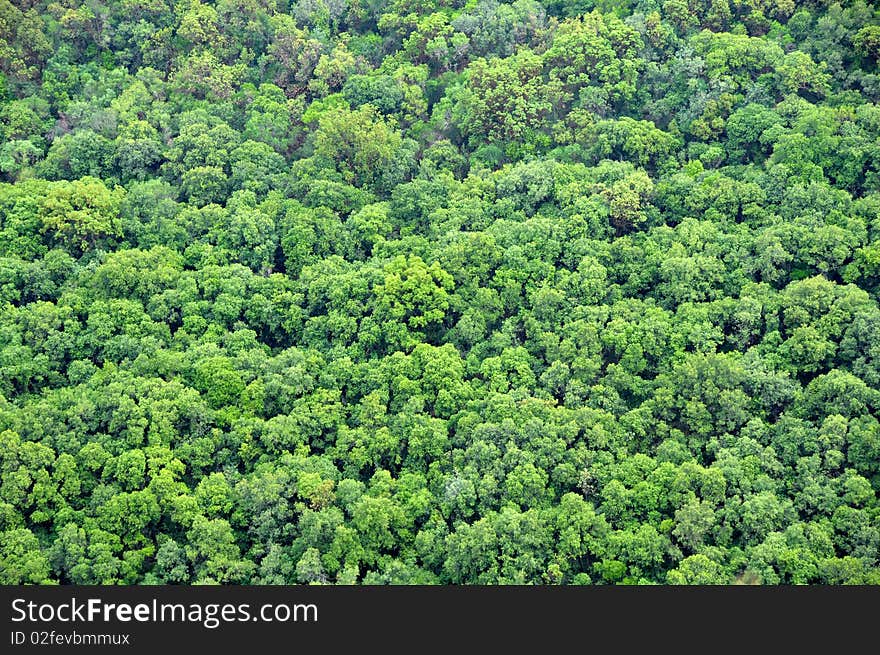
365	148
557	292
81	213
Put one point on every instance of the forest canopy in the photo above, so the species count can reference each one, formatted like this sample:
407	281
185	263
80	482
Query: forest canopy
455	292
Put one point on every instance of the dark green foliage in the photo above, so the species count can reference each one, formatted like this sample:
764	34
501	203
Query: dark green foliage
560	292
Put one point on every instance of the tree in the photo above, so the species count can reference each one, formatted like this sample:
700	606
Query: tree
694	522
330	292
216	377
17	157
364	147
504	99
81	213
203	76
294	53
698	570
213	553
626	198
628	140
24	561
412	295
24	46
595	54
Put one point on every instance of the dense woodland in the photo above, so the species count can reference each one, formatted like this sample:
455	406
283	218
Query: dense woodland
439	292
